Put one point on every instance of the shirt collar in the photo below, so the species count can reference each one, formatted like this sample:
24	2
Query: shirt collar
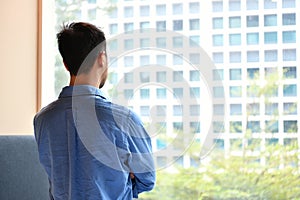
81	90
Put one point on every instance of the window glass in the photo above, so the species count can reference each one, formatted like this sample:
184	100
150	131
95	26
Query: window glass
217	23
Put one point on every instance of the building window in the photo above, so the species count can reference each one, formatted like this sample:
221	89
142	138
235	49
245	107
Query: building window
194	58
218	57
128	27
177	25
235	57
128	93
235	91
253	109
219	144
253	73
270	20
290	126
177	110
194	110
144	77
217	6
128	77
289	54
194	24
195	127
177	59
113	62
178	93
218	109
218	92
235	127
252	21
177	9
145	111
177	42
113	45
92	14
271	109
218	23
288	4
160	10
144	60
161	160
270	37
161	77
144	11
194	41
161	110
290	90
113	78
177	126
128	61
289	72
234	22
289	19
128	11
254	126
195	92
235	109
253	91
161	60
289	37
252	56
161	42
290	108
218	40
270	4
161	26
271	56
177	76
144	26
144	43
161	93
252	38
252	4
113	28
194	75
234	5
144	93
194	7
218	74
235	74
113	13
128	44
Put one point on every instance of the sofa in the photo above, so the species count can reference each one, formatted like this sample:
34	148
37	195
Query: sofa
21	175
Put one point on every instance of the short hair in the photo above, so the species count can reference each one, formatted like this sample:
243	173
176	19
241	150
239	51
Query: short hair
79	45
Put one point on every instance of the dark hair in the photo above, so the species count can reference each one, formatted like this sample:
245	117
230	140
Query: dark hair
79	45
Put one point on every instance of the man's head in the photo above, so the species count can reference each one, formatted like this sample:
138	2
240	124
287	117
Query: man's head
80	44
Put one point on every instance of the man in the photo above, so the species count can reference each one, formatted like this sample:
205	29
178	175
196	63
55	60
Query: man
91	148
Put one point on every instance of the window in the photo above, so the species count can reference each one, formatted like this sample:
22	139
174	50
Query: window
177	9
218	40
270	4
270	37
144	43
235	127
217	23
270	55
194	41
194	7
160	10
194	110
252	56
177	93
253	109
290	90
218	109
144	93
252	4
177	76
177	42
235	91
161	93
234	5
234	22
128	77
177	110
235	74
253	73
290	108
92	14
128	93
161	110
195	127
128	61
218	127
128	11
113	28
177	59
271	109
235	57
290	126
289	19
252	21
194	75
128	44
144	60
270	20
252	38
288	3
218	92
218	74
144	11
113	45
128	27
113	78
253	91
235	109
161	60
144	26
219	144
161	77
288	36
194	58
145	110
177	25
218	57
289	54
177	126
113	13
161	42
254	126
144	77
160	26
289	72
217	6
194	24
195	92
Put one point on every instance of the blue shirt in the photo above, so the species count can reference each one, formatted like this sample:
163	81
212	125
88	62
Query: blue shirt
89	145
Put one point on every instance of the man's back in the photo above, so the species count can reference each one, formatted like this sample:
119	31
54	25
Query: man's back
89	146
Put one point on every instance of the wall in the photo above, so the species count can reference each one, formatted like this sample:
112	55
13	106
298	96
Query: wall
18	53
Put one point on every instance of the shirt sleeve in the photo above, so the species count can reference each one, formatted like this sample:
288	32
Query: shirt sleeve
141	162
